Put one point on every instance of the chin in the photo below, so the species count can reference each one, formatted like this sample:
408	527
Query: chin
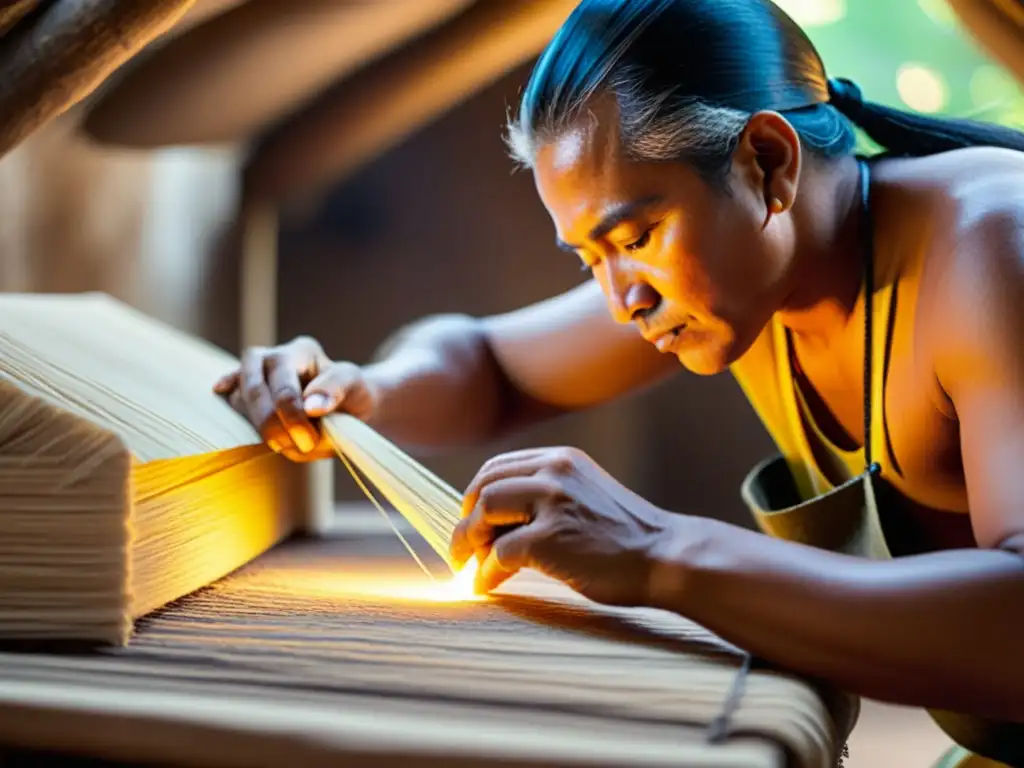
707	354
703	362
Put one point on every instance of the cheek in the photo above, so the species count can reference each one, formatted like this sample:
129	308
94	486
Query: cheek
690	259
736	256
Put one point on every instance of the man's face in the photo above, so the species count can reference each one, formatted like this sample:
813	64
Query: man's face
690	265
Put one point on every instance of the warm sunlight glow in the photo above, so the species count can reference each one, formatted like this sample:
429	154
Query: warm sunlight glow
813	13
460	587
405	588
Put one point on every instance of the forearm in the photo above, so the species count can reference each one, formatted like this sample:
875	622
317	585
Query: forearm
943	630
439	385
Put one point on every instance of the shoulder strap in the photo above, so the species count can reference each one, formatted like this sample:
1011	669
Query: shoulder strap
868	246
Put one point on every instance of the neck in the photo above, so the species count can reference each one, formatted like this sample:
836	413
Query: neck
829	263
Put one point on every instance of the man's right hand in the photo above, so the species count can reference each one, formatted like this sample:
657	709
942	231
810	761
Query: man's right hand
283	391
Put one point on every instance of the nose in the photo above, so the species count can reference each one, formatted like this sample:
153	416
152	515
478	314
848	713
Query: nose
632	297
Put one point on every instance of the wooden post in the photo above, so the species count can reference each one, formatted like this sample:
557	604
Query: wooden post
258	327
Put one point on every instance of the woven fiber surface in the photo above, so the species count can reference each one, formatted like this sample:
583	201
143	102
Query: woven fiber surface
339	630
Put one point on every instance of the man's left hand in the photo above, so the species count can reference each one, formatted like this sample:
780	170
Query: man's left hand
556	511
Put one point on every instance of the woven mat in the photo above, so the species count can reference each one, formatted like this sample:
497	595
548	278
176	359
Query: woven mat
316	652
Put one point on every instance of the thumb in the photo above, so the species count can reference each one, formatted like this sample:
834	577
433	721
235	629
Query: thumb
226	384
509	553
326	392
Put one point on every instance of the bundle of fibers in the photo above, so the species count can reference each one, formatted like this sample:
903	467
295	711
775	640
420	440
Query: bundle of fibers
125	483
433	508
429	504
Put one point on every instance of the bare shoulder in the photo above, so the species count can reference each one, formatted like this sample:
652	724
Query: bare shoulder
964	211
568	352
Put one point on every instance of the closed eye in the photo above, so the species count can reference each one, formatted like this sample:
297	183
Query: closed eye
640	243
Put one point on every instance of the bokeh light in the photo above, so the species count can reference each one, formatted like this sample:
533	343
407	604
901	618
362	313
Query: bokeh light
922	88
939	12
813	13
990	87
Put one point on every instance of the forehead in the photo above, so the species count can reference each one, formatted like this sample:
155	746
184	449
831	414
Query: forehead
582	169
583	173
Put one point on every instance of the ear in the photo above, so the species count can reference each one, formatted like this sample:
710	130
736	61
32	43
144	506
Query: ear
768	158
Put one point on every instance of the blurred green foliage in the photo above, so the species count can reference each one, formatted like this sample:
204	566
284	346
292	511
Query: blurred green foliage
872	41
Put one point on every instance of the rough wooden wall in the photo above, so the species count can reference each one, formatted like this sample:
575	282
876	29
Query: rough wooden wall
136	225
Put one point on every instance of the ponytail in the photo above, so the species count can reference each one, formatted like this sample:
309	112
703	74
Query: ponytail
907	134
687	75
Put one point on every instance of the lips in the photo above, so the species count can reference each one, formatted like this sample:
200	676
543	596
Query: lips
665	341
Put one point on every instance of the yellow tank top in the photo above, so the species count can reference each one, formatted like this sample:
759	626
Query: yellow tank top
766	375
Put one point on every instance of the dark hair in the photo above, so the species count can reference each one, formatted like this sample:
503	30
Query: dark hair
687	75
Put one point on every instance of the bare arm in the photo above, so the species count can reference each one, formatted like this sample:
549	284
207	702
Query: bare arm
455	379
942	630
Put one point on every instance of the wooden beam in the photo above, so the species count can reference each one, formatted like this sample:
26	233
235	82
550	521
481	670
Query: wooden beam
998	26
374	110
67	51
231	76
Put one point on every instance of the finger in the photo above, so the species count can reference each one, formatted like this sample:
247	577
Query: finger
293	454
509	555
506	503
236	402
272	429
253	401
472	536
515	464
255	392
512	500
325	393
227	384
459	548
468	541
286	392
278	440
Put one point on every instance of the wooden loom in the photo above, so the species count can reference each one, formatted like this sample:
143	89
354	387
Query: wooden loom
307	657
131	494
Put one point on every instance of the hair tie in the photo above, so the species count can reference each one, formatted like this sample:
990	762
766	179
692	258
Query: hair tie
845	95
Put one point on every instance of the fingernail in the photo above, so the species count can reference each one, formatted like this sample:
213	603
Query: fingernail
303	441
274	446
315	403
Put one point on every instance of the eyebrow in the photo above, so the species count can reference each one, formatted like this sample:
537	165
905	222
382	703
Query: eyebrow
612	219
